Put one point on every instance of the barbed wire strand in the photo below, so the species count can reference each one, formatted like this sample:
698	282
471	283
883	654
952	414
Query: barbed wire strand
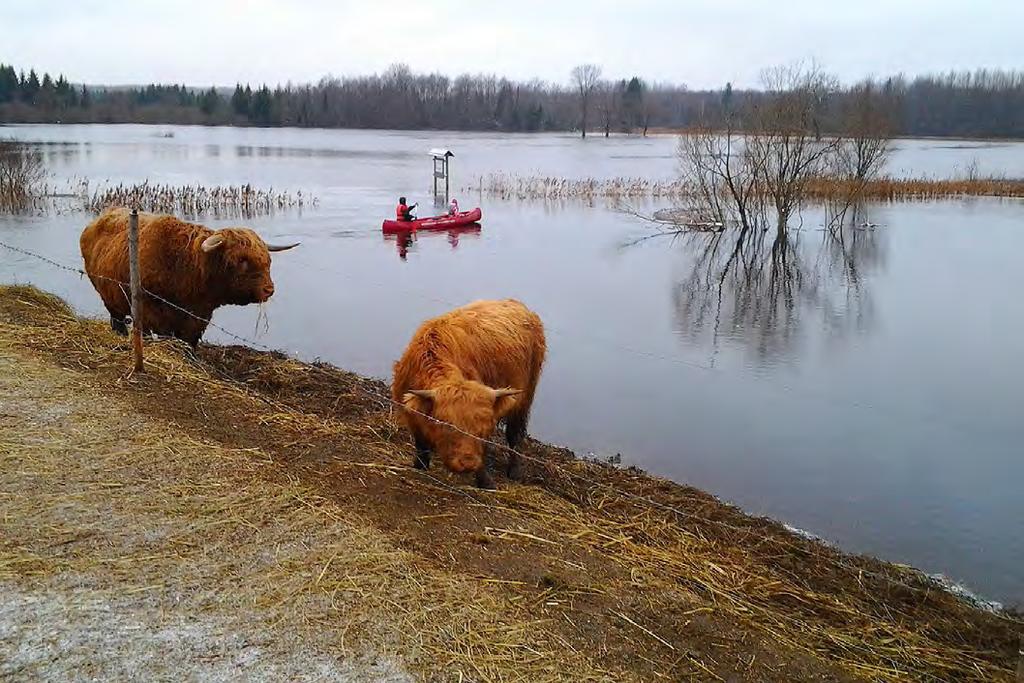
639	500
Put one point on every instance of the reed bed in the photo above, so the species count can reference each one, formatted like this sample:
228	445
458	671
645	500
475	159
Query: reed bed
21	177
641	579
195	200
910	189
511	186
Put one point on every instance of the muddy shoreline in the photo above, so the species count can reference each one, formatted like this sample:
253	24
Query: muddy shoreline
649	578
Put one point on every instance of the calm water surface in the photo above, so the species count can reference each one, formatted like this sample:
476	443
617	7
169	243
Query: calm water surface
868	390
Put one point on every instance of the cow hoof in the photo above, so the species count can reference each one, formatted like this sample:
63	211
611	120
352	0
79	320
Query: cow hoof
484	480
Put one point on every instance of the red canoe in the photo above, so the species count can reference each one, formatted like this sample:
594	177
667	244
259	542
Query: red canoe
434	222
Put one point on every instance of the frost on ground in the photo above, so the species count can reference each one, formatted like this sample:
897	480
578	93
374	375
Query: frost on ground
72	635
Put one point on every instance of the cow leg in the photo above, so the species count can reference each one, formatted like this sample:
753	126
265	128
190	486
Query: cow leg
515	429
514	469
515	432
191	330
484	480
422	459
118	325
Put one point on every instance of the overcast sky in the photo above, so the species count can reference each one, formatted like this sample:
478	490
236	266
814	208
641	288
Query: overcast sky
702	43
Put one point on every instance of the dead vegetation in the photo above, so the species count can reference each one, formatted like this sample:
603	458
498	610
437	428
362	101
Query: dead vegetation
586	573
912	189
244	201
885	188
512	186
21	176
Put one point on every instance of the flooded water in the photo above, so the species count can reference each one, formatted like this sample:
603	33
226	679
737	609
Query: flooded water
868	390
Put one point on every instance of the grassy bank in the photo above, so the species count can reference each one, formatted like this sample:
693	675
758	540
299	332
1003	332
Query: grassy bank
248	498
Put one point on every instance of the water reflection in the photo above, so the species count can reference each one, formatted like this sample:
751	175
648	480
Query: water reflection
761	289
406	239
317	152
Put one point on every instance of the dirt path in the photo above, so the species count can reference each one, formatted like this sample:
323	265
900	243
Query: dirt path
247	515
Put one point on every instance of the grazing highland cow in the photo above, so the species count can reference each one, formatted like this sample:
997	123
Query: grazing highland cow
470	368
189	265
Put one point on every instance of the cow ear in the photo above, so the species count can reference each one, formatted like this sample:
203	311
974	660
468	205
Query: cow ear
419	400
212	242
505	400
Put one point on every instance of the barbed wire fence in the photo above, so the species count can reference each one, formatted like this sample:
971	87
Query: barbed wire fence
923	584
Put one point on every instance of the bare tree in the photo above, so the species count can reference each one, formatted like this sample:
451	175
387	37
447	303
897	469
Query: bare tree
866	119
722	178
764	155
586	78
609	104
785	134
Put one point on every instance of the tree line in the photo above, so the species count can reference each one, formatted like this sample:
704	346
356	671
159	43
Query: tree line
983	103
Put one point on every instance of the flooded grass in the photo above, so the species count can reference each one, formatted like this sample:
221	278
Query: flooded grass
515	187
194	200
896	189
512	186
21	176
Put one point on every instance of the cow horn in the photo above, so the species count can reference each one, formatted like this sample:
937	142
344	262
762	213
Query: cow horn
212	242
428	394
282	247
501	393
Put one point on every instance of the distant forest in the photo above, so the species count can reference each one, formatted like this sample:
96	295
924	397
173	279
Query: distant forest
964	104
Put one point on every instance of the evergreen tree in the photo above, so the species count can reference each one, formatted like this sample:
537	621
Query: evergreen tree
240	101
30	88
8	83
209	102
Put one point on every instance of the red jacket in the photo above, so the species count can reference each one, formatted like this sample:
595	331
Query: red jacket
401	212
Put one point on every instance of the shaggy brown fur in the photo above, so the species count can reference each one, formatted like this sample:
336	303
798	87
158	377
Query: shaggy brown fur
457	364
174	266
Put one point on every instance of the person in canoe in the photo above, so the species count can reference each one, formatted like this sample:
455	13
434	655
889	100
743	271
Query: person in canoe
404	212
453	207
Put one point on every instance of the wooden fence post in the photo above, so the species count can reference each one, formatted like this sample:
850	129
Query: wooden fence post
136	286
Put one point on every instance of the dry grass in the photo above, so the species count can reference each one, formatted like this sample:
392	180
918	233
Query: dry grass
21	176
511	186
506	186
132	505
195	200
565	579
902	189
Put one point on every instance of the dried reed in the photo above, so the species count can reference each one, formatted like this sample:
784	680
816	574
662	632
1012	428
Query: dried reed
194	200
511	186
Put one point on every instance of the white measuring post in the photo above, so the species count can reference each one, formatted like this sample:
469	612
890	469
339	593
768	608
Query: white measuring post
441	158
136	287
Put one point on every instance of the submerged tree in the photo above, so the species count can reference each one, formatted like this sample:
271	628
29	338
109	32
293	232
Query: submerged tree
865	117
764	155
609	104
785	134
586	78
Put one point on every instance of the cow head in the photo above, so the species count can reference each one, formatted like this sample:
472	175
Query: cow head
472	408
240	263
